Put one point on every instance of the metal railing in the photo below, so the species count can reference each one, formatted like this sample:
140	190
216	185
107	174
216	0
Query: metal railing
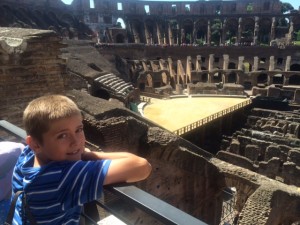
116	198
209	118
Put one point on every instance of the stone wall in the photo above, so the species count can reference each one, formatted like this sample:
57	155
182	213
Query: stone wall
215	89
165	23
165	8
90	71
269	145
193	73
44	14
184	175
118	129
29	67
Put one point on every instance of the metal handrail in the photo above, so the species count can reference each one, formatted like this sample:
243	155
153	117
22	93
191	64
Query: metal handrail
13	129
153	206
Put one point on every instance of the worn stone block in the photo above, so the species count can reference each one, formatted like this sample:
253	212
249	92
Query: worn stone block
272	151
252	152
294	156
234	146
297	96
270	168
34	68
256	91
273	92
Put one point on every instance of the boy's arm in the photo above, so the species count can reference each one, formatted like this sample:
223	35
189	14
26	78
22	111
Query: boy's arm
124	166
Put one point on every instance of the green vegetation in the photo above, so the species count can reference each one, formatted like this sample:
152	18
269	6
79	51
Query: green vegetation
297	33
188	37
118	25
286	7
297	43
200	42
264	45
216	30
249	7
282	22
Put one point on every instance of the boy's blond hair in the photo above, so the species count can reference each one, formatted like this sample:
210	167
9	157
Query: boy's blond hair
41	111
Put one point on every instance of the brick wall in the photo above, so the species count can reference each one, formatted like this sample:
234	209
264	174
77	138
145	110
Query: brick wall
29	67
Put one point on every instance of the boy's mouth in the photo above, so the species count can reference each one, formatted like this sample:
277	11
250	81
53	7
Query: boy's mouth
74	152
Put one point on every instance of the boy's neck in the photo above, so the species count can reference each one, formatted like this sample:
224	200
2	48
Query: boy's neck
38	162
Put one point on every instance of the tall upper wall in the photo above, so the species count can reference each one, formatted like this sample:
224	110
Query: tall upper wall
156	7
201	22
51	3
153	22
177	8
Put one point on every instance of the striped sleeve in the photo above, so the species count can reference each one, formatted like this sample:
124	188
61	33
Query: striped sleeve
71	184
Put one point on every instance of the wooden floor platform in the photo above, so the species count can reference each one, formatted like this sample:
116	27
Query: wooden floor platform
176	113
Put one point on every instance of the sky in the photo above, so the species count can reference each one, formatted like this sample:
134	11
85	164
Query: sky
294	3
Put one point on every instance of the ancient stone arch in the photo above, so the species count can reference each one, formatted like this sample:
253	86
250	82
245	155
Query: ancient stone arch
278	78
232	65
231	30
294	79
246	33
137	30
201	30
216	76
244	190
174	31
188	26
120	38
262	78
232	77
295	67
204	77
150	31
265	30
142	81
149	80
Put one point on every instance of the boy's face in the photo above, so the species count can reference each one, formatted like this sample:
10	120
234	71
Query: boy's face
64	140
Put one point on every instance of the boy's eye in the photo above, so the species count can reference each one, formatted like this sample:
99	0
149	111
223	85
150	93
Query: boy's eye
79	130
61	136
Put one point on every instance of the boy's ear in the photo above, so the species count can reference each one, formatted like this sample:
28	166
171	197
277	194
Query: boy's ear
33	144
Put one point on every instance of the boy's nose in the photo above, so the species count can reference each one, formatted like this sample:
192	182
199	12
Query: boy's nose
73	140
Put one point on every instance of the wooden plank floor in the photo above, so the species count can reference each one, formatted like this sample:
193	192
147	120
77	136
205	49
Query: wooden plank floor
174	114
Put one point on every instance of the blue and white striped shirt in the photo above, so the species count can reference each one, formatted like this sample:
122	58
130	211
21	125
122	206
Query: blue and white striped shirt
56	192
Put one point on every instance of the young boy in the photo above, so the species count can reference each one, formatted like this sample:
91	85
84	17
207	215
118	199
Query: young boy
56	172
